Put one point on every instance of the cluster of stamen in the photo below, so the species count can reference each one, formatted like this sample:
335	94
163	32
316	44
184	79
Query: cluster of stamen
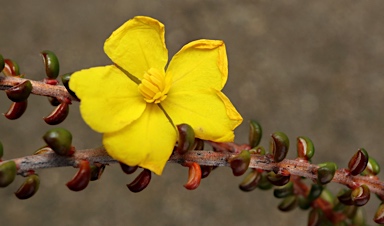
154	86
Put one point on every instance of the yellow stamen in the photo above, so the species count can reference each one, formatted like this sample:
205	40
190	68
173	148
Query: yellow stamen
155	85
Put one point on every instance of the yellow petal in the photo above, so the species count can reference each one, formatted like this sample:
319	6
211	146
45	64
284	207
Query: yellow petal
200	64
209	112
147	142
138	45
109	99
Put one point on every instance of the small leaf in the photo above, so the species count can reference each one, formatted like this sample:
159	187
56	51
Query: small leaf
60	140
96	171
205	171
52	66
65	80
278	179
251	181
279	146
81	179
288	204
8	172
358	162
264	183
360	195
240	163
284	191
128	169
255	133
259	150
344	196
19	92
140	182
16	110
194	175
186	139
373	168
326	172
315	217
305	148
1	63
29	187
11	68
379	215
58	115
315	192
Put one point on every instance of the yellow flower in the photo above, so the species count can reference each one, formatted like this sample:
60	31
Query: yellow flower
136	104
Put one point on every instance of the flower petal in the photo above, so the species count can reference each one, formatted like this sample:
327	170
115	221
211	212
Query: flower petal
147	142
138	45
200	64
209	112
109	99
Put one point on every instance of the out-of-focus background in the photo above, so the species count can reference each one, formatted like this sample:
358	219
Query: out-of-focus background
311	68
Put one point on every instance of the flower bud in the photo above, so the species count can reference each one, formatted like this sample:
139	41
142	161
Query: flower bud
19	92
279	146
11	68
251	181
8	172
140	182
284	191
278	179
82	177
60	140
194	175
29	187
128	169
65	80
16	110
240	163
325	172
52	66
58	115
305	148
186	138
358	162
373	168
288	204
255	133
360	195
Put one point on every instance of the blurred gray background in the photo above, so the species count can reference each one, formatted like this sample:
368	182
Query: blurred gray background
311	68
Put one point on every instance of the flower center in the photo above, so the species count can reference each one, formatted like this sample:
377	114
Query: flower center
155	85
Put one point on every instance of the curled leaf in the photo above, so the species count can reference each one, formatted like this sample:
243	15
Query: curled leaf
52	66
128	169
11	68
8	172
240	163
194	175
205	171
373	168
60	140
141	181
82	177
19	92
279	146
251	181
16	110
29	187
65	80
255	133
186	138
288	204
278	179
358	162
379	215
284	191
58	115
305	148
360	195
326	172
96	171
